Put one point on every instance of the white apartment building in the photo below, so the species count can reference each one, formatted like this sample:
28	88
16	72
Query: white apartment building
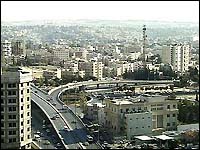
138	123
62	54
15	109
6	48
6	52
93	68
160	110
122	67
178	55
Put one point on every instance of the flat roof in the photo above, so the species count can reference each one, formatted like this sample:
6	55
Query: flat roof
144	138
164	137
187	127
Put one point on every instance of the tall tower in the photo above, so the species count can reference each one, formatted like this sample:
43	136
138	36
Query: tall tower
144	45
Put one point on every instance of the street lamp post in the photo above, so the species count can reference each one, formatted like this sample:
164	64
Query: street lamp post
75	110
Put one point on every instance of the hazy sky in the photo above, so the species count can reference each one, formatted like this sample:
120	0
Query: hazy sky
181	11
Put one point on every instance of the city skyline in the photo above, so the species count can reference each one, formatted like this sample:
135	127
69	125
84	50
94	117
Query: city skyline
177	11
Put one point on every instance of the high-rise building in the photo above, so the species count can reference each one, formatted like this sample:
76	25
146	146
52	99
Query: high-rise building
15	109
18	48
93	68
177	55
6	51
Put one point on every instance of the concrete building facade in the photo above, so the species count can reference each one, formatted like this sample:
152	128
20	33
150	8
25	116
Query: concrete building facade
15	109
177	55
162	112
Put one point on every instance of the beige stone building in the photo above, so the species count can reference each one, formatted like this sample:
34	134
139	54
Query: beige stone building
146	113
15	109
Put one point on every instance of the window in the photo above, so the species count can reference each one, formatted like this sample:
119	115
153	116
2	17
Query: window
28	98
12	140
12	133
27	90
28	136
130	118
168	124
2	109
22	130
142	117
153	109
148	126
1	85
12	108
12	100
21	84
28	113
22	107
173	123
2	93
22	100
2	132
27	83
2	100
11	116
22	123
136	127
2	140
13	124
2	124
2	117
174	106
28	121
22	138
28	129
168	115
160	108
168	106
21	91
22	115
174	115
28	106
12	85
11	92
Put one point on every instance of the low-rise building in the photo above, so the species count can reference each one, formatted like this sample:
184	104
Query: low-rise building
161	110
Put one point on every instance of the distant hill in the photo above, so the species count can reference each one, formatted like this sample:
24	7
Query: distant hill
125	23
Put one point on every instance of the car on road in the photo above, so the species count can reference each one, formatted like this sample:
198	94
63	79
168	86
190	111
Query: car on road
66	128
46	143
86	144
89	138
57	116
54	104
53	118
44	126
58	145
73	121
